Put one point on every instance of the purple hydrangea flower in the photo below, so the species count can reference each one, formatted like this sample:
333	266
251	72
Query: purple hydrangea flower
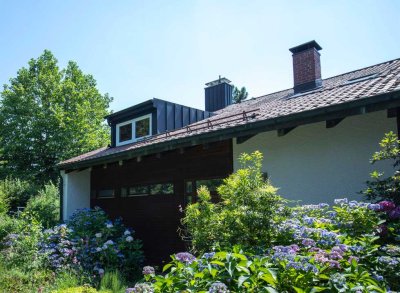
148	270
387	205
308	242
218	287
185	257
374	206
341	201
395	213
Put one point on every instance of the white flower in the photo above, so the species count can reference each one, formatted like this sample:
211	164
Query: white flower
129	239
109	225
101	272
98	249
104	246
127	232
98	235
109	242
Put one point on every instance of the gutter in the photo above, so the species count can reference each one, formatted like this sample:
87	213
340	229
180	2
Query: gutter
355	107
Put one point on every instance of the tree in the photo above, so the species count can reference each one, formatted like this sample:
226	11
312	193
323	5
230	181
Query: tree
245	216
48	114
386	188
239	95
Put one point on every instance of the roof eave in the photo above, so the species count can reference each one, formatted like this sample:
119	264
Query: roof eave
355	107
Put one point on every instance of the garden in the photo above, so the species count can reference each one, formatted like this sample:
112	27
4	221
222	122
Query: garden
255	241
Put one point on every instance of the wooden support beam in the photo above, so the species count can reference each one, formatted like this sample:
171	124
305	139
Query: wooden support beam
332	123
244	138
284	131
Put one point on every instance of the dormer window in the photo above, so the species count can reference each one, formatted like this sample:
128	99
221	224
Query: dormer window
133	130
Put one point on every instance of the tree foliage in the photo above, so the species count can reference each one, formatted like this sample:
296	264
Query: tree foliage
245	216
239	95
48	114
380	187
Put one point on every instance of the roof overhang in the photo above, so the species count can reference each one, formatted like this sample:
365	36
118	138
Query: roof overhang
337	111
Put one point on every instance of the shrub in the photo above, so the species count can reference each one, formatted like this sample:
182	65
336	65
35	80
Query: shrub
248	209
82	289
8	225
380	188
317	248
4	206
21	250
113	282
46	205
92	244
16	192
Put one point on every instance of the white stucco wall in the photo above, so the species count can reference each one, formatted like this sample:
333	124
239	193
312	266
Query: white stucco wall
315	164
76	191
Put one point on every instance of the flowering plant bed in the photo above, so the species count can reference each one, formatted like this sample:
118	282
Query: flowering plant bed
349	247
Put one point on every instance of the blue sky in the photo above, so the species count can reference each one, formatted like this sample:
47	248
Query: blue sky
137	50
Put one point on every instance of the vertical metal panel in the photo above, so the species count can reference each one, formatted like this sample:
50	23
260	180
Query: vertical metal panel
113	138
170	116
200	115
185	116
193	118
161	118
218	96
178	116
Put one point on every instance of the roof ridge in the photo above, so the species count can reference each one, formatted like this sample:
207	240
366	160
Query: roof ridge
359	69
325	79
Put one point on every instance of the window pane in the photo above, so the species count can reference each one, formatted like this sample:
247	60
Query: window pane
166	188
139	190
125	132
124	192
142	127
189	187
106	193
211	184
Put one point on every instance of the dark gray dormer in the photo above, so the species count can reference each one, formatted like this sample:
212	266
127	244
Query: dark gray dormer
151	117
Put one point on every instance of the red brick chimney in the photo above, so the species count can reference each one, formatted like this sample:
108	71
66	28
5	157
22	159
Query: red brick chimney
306	67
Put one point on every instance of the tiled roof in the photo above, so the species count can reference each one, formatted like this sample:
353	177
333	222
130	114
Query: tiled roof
356	85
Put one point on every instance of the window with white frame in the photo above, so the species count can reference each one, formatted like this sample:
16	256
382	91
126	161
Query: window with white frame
133	130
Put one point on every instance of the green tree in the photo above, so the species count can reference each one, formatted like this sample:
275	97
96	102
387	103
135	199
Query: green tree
239	95
380	187
48	114
246	214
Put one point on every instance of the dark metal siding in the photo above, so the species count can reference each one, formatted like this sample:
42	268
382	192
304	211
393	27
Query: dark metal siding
155	218
218	96
166	116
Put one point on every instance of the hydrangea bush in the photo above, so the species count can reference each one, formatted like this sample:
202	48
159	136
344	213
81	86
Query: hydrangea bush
349	247
91	243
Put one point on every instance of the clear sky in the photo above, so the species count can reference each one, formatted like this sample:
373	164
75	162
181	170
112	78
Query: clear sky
137	50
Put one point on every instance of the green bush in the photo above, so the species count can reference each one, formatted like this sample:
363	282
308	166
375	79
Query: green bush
4	206
82	289
245	216
8	225
21	250
16	192
112	281
380	187
46	205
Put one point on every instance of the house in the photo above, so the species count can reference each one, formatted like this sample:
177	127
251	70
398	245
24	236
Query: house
317	138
